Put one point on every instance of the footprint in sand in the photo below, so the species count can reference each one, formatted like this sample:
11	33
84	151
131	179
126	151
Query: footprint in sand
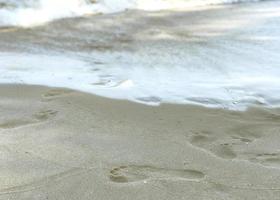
247	134
34	119
242	139
202	138
224	151
127	174
208	141
54	93
14	123
267	159
45	115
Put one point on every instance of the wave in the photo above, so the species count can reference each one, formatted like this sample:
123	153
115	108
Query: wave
34	12
225	58
31	12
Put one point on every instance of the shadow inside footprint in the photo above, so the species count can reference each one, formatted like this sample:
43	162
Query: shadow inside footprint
248	133
268	159
55	93
273	161
202	138
25	120
224	151
14	123
44	115
210	142
126	174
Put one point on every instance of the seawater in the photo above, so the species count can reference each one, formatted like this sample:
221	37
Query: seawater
225	56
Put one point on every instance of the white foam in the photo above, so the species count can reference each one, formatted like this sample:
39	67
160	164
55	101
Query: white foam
38	12
151	80
34	12
232	70
119	5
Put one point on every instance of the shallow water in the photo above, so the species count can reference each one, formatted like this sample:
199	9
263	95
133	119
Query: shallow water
34	12
217	56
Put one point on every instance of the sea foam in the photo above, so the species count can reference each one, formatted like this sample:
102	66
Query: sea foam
35	12
234	68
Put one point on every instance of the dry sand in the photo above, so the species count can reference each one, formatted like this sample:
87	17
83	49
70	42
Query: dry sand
63	144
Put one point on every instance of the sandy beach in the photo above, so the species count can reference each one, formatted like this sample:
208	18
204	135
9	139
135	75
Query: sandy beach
63	144
212	69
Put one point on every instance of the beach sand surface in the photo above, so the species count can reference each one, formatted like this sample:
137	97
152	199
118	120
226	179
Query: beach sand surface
62	144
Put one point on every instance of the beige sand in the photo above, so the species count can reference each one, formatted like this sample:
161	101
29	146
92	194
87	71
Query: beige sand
62	144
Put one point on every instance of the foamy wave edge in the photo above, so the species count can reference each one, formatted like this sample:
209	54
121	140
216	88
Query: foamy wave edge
31	13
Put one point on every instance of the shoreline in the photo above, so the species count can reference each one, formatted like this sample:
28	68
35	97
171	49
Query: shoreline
64	144
205	57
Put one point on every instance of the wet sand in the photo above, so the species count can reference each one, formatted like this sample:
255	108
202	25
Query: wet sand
63	144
